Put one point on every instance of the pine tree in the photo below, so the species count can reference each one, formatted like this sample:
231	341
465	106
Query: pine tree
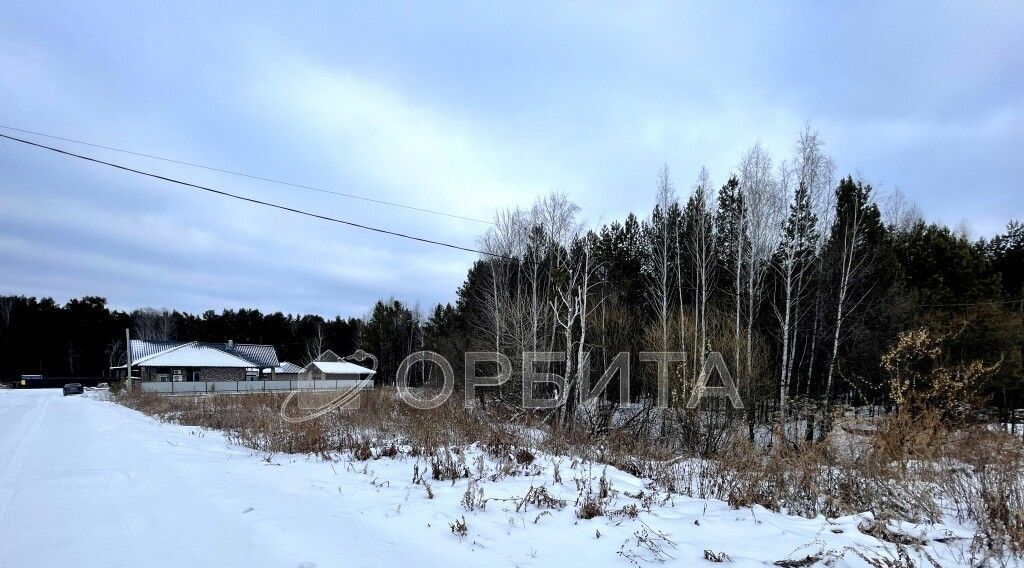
857	254
1006	253
942	267
732	242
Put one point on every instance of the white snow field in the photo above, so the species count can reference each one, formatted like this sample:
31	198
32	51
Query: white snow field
86	482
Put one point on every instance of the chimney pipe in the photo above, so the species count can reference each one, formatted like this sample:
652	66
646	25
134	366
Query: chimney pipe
231	344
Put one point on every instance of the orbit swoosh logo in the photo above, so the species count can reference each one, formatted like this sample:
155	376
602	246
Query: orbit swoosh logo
310	405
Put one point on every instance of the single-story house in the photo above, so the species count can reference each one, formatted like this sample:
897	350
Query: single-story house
329	366
172	367
194	361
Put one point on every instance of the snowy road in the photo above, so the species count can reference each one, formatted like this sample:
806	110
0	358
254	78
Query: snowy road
89	483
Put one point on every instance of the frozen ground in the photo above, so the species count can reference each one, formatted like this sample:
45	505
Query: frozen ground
86	482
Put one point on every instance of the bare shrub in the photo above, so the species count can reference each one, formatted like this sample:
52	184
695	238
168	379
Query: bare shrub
798	563
447	465
629	511
540	499
712	556
648	546
920	371
524	456
589	507
363	451
604	487
591	503
473	498
459	527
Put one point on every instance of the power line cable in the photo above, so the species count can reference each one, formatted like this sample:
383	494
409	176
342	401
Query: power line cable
992	303
250	176
342	221
250	199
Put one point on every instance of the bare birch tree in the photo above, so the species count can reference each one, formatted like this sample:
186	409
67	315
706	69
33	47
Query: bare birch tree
764	204
898	212
662	237
571	308
153	324
317	343
700	245
809	176
503	242
6	308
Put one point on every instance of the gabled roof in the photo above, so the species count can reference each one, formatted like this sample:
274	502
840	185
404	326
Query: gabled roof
194	354
143	348
329	356
286	368
198	354
339	368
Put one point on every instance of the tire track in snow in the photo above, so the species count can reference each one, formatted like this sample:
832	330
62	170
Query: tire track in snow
5	408
24	438
14	431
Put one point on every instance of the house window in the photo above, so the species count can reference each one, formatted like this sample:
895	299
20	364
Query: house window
252	374
162	377
197	376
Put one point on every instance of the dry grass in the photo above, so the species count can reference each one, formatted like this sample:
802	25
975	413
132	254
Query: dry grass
254	421
913	465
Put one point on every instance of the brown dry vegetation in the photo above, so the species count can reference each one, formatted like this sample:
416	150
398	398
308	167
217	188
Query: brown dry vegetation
913	465
909	466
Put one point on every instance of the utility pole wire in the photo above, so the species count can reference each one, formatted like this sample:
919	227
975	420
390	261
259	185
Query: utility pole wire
969	304
317	215
251	200
250	176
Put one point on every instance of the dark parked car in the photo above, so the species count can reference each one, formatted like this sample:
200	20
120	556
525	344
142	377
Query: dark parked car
73	388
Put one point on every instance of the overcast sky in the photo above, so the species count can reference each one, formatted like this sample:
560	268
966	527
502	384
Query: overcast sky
465	108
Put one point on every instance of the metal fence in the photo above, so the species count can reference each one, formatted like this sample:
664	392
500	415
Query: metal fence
226	387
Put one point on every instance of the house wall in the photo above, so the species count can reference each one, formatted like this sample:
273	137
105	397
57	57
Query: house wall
318	375
221	374
208	373
342	376
252	386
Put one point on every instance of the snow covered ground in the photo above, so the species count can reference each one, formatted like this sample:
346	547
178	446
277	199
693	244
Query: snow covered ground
86	482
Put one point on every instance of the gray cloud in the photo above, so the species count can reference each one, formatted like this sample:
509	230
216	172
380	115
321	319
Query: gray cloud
465	108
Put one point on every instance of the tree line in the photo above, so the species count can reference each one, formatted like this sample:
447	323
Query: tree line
83	337
801	280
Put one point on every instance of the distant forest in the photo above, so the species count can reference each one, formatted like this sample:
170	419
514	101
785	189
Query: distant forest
813	288
85	338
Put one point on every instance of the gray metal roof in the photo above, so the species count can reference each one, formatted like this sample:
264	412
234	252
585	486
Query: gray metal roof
195	354
285	368
142	348
255	355
262	355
